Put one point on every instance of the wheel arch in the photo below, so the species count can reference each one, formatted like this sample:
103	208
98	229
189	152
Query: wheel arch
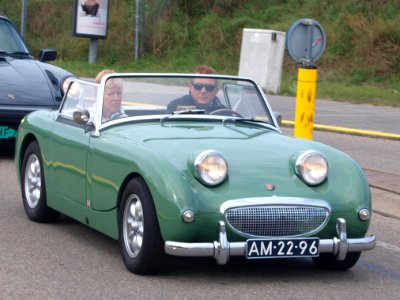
168	203
28	139
125	182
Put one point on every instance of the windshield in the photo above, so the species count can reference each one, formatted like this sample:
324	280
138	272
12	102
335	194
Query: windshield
10	41
125	96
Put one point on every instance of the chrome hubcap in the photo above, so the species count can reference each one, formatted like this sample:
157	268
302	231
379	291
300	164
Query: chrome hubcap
32	181
133	225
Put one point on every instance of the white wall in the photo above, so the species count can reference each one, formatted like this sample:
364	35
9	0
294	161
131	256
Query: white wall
261	57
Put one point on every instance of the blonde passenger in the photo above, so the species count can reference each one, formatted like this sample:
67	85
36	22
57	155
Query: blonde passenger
113	90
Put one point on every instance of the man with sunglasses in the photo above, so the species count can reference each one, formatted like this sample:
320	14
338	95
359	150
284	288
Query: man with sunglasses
202	94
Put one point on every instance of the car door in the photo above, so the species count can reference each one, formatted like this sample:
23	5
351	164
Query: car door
70	144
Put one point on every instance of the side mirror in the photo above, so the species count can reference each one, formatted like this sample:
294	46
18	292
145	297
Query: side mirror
278	117
81	116
47	55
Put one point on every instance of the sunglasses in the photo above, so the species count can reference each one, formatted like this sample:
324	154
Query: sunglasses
200	86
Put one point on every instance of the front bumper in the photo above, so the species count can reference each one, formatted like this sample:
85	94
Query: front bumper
222	249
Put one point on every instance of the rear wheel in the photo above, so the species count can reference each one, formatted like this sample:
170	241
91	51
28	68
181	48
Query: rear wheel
329	261
33	186
140	240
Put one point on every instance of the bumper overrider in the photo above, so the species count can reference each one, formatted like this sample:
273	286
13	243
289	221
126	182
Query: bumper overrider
222	249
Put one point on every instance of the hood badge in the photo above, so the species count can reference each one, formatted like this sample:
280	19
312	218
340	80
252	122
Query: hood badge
11	96
270	186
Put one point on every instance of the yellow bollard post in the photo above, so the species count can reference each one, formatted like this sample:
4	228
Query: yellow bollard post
305	102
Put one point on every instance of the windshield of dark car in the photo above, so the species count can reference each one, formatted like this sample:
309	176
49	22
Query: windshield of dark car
10	41
126	96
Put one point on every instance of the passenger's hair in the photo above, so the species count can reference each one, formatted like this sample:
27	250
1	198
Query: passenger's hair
103	73
112	82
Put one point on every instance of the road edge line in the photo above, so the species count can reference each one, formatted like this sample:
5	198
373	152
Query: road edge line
353	131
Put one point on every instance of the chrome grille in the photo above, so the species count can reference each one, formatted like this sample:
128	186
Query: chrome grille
276	220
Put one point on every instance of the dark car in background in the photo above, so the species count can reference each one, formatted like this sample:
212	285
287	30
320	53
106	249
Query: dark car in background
26	84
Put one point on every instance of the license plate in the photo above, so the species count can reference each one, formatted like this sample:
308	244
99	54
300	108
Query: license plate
276	248
7	132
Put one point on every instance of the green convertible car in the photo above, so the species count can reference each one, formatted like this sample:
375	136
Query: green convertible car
190	165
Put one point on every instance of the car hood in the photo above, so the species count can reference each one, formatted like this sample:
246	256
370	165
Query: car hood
24	82
257	157
250	150
179	143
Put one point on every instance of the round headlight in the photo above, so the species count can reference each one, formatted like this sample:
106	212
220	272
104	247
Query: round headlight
211	167
312	167
65	85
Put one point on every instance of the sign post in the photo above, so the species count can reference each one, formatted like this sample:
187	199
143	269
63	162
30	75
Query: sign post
305	102
305	43
90	19
23	17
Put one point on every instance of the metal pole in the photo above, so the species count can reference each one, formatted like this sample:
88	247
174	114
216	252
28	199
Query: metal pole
137	30
142	28
305	102
93	50
23	17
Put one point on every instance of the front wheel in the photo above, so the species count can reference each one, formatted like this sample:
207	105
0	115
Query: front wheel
33	186
140	240
329	261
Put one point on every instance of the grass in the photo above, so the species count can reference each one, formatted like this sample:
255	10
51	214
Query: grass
384	94
388	95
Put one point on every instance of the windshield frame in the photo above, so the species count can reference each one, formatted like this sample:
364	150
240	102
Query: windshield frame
196	115
13	38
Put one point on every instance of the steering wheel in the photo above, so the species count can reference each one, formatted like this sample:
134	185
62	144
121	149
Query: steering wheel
226	112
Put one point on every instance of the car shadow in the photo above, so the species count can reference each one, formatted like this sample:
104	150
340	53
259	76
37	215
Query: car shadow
273	270
7	150
238	269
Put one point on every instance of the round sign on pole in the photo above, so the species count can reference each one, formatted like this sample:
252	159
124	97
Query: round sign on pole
305	41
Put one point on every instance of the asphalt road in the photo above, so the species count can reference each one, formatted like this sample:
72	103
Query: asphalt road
67	260
358	116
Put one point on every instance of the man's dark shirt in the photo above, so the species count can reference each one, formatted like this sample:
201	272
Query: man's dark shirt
187	100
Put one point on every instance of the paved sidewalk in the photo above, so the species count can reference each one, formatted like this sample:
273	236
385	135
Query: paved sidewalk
385	203
385	190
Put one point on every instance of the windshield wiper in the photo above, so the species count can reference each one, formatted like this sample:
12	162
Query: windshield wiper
194	111
254	121
16	54
246	120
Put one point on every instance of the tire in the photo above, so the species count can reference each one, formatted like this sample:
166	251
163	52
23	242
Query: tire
140	241
34	187
328	261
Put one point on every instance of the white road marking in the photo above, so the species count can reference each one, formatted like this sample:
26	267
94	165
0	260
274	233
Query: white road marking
388	246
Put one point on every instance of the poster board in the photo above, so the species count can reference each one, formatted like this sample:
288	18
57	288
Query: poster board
90	18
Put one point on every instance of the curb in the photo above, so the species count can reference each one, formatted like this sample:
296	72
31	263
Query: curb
353	131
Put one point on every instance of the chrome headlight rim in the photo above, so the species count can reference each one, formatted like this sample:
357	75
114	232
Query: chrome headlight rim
217	171
304	172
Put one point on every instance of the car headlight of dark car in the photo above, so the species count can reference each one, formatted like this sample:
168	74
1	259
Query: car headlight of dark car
210	168
311	167
65	84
